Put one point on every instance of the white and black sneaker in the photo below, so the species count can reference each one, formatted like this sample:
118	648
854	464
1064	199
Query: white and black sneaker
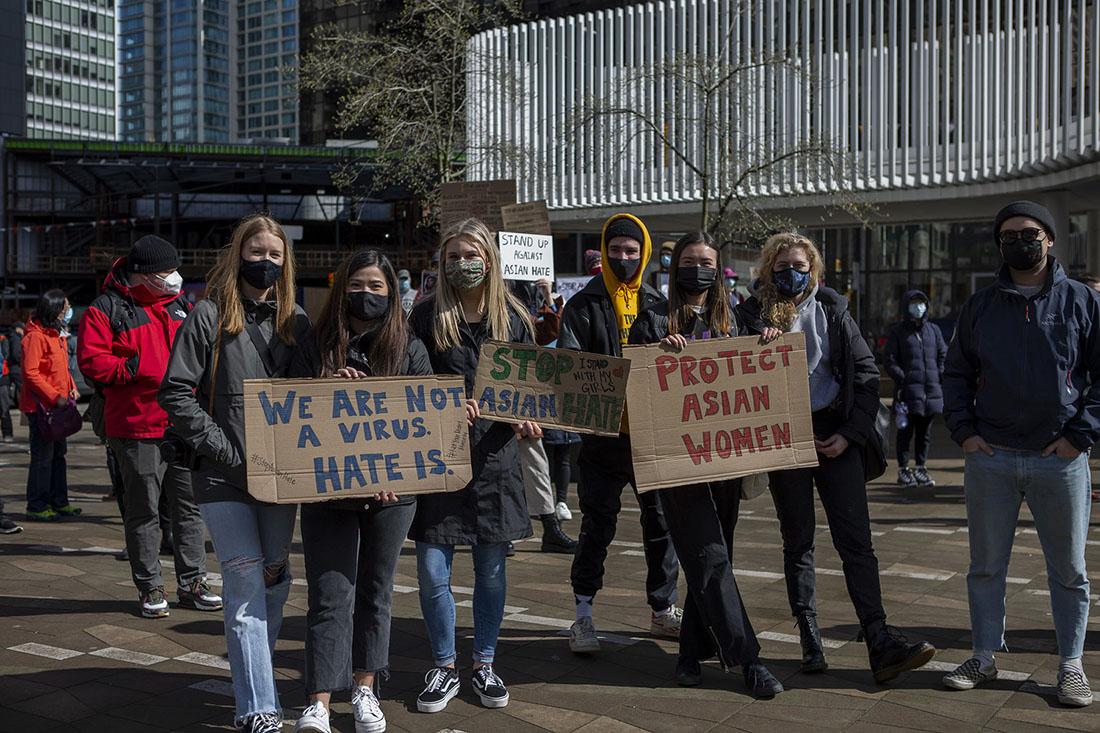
368	711
489	687
1073	688
199	597
154	604
315	719
440	687
969	675
262	723
920	475
582	637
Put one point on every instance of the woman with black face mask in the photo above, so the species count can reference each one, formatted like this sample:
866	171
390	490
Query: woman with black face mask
351	546
844	401
701	518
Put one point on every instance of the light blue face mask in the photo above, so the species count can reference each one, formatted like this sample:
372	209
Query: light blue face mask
918	310
67	316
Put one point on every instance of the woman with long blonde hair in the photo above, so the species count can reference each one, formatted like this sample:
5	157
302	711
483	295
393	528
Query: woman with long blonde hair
844	379
471	305
246	328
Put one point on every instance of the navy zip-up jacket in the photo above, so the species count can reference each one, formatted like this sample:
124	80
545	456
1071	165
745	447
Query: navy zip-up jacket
1023	372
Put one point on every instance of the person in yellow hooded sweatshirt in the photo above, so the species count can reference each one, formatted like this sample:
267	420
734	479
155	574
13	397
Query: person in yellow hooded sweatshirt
598	320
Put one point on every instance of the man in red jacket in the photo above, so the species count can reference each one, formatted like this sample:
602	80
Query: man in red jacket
126	336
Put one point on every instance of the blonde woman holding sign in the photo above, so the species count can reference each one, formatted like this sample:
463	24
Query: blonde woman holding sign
790	297
471	304
701	518
246	328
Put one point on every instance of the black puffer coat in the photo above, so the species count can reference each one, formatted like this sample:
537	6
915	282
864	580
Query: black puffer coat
915	355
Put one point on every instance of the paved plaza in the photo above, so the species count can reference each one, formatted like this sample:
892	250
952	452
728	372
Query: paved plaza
76	656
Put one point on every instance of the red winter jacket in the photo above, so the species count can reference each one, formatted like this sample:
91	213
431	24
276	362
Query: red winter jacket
125	340
45	368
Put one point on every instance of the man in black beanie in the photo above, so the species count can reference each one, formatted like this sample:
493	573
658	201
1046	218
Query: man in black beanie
126	337
1022	397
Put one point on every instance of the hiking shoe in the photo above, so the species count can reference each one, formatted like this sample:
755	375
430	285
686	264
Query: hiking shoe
46	515
154	604
813	654
69	510
969	675
667	624
554	539
582	637
199	597
922	478
891	653
689	673
1073	688
368	711
314	720
906	479
8	527
762	683
262	723
489	687
562	512
440	686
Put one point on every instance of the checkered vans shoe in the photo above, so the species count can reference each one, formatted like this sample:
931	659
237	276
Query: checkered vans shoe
969	675
1073	689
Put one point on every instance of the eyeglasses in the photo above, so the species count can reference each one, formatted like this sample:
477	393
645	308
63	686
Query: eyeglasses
1030	234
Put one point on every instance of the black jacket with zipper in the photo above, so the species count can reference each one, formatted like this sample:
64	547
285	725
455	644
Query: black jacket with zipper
1022	372
217	437
853	363
588	322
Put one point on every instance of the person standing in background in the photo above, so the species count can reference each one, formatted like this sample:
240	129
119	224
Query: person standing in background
406	291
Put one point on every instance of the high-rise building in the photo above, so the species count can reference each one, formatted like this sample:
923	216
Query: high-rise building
12	71
267	43
70	68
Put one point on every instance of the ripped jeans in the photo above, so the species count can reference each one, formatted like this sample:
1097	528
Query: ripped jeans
252	542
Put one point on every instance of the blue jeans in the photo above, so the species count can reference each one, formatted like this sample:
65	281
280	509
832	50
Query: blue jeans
47	478
252	542
437	603
1057	492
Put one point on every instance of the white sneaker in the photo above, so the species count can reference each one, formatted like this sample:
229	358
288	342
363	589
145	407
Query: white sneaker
582	637
314	720
667	624
368	712
562	512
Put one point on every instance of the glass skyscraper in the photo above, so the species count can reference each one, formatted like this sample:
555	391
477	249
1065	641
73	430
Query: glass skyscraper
70	80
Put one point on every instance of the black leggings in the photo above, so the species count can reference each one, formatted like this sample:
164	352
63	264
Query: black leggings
921	427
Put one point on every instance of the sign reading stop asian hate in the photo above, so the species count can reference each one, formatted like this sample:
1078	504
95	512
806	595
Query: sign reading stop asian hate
319	439
572	390
720	409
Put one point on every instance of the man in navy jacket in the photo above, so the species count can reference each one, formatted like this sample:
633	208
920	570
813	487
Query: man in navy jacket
1022	397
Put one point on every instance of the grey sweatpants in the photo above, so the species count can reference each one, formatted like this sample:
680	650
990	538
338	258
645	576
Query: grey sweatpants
535	467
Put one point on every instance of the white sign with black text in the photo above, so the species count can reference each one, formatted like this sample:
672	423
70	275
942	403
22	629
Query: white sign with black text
527	257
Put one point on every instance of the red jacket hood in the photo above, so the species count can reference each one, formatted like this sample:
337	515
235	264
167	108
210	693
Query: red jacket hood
116	280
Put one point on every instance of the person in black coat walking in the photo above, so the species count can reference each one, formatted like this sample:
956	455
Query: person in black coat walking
470	305
915	355
844	401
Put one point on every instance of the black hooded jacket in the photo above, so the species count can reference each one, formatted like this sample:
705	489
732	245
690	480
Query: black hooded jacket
915	355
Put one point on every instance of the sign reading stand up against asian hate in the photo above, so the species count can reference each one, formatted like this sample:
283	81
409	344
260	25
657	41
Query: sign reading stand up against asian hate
319	439
719	409
526	257
572	390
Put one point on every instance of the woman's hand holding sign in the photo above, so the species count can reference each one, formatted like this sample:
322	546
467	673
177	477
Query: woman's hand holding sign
674	342
769	334
472	412
349	373
527	430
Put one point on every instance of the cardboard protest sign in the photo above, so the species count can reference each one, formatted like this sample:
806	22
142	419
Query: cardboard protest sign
481	199
531	217
527	257
719	409
319	439
568	286
552	387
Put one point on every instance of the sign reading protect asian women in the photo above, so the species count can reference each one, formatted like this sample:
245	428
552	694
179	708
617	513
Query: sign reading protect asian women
719	409
572	390
319	439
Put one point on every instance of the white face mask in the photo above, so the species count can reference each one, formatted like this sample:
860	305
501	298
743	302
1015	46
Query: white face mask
170	285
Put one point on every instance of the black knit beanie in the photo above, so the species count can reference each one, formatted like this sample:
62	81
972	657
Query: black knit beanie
152	254
624	227
1028	209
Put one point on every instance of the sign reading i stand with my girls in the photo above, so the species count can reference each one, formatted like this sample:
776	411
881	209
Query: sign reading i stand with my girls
719	409
552	387
320	439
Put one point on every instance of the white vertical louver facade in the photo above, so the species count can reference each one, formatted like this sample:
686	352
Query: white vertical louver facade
910	93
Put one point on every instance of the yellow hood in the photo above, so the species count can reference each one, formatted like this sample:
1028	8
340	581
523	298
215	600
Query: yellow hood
610	281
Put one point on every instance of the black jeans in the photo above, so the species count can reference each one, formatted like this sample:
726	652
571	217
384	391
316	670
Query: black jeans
606	467
560	456
5	408
843	493
351	557
701	519
47	479
921	427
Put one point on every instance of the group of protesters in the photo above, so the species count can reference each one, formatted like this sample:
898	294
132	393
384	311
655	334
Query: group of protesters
1019	393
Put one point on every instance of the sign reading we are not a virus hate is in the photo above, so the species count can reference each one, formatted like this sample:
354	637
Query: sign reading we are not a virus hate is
719	409
319	439
572	390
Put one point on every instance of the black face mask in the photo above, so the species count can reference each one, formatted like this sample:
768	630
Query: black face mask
1022	255
367	306
623	270
696	280
261	275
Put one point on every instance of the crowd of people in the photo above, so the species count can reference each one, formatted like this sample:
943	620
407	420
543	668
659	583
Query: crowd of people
1018	388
